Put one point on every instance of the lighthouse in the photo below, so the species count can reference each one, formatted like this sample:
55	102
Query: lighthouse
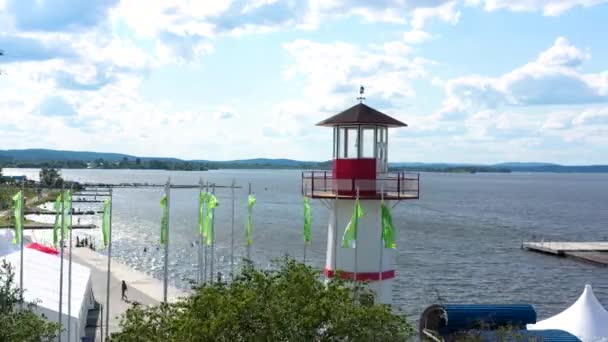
360	170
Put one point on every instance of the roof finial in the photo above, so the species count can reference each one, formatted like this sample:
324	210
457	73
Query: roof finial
361	91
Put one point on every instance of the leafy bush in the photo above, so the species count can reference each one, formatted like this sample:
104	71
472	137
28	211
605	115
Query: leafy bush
289	303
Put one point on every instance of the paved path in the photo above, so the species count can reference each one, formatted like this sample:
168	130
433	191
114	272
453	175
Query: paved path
142	288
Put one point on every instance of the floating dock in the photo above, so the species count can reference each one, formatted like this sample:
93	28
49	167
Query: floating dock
591	252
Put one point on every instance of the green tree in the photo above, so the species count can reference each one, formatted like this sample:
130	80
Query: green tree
50	177
289	303
1	176
20	324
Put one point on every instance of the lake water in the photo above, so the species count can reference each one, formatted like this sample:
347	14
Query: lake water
459	243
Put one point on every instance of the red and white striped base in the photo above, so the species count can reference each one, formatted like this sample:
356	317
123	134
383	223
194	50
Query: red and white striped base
368	267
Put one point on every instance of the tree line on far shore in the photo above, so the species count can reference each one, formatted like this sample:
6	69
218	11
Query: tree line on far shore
124	163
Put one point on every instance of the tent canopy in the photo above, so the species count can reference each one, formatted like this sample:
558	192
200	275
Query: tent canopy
586	318
41	285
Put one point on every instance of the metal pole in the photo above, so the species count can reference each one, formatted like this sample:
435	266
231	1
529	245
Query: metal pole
304	239
381	247
232	232
205	248
248	245
109	269
101	325
199	276
21	233
336	230
356	238
61	243
70	270
212	238
166	276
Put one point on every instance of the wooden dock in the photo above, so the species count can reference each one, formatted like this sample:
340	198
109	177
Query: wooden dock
591	252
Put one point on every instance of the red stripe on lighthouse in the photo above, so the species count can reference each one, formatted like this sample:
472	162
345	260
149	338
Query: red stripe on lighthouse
361	276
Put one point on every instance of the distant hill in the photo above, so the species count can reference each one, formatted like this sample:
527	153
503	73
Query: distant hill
75	159
58	155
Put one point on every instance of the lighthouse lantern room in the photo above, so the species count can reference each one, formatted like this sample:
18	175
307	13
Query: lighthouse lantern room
360	171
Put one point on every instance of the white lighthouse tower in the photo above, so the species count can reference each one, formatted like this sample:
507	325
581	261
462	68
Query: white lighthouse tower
360	168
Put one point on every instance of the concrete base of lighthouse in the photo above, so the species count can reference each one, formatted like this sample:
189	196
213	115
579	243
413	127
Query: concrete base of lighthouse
369	262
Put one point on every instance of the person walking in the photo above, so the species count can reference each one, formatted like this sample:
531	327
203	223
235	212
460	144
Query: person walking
124	290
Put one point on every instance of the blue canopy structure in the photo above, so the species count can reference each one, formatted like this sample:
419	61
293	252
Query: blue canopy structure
450	318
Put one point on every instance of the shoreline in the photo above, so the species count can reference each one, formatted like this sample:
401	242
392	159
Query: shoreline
142	288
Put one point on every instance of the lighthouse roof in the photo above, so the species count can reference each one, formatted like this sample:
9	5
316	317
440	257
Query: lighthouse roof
361	114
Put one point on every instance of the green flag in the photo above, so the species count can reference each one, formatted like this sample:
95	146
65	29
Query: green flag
388	230
307	220
18	213
349	239
67	211
211	204
203	199
57	207
164	222
105	222
249	226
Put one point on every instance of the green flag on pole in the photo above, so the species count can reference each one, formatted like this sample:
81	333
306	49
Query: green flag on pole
202	213
67	211
105	222
18	213
388	230
307	220
249	226
164	222
57	207
350	233
211	204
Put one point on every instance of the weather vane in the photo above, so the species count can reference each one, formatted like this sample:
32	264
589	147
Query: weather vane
361	91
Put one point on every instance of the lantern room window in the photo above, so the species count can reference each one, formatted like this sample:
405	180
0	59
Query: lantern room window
359	142
368	142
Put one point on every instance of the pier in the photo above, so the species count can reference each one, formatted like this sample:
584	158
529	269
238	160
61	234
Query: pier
591	252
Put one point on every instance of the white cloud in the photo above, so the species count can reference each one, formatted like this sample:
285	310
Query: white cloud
416	36
563	54
446	12
547	7
551	79
334	71
596	116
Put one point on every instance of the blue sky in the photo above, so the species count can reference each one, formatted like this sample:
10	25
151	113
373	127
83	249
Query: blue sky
479	81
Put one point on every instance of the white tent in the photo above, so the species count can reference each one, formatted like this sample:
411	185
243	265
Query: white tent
41	284
6	242
586	318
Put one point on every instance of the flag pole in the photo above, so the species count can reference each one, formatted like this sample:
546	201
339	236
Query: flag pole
335	232
381	246
356	234
205	247
109	268
199	277
61	243
70	268
21	218
232	232
304	257
248	244
212	266
166	275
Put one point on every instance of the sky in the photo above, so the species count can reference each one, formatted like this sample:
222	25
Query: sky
477	81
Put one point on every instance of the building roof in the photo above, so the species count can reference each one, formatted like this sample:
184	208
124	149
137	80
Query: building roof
361	114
